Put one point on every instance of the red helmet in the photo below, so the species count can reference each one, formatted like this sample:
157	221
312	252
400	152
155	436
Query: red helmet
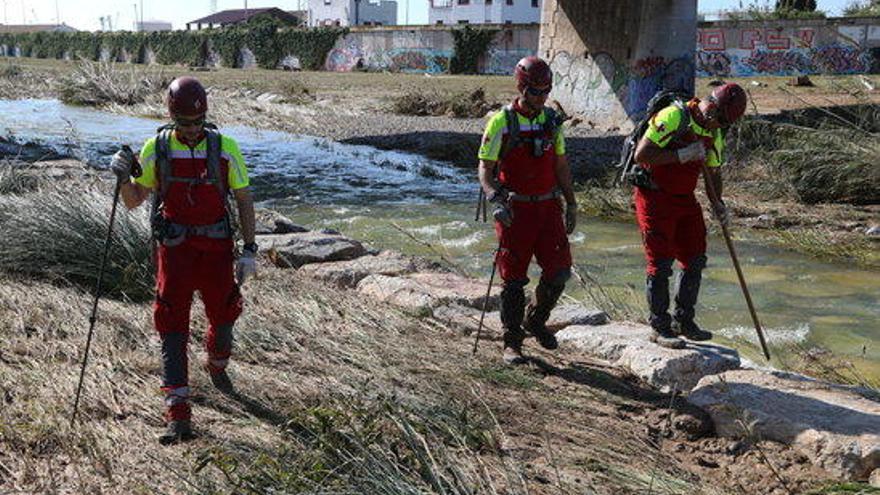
731	101
186	96
532	72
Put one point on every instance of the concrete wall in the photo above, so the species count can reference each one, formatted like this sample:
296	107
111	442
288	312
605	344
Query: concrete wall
609	58
427	49
478	12
827	46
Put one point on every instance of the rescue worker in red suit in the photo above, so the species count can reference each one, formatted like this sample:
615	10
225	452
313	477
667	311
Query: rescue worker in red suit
189	168
669	216
524	145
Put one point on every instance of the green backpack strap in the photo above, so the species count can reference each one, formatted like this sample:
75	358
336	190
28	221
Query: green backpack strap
214	175
514	138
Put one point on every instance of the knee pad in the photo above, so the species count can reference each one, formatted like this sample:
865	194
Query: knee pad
663	267
697	263
561	277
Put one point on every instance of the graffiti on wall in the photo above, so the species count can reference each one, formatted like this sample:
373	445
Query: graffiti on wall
502	62
781	51
601	87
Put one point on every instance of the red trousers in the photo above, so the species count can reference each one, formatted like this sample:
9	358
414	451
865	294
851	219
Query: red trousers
181	271
672	227
537	230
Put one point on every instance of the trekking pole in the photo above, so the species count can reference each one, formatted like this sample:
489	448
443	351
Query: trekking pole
486	299
136	172
479	206
710	190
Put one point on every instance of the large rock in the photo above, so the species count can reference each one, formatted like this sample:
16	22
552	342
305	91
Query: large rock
272	222
566	315
837	427
626	345
347	274
466	320
422	292
296	250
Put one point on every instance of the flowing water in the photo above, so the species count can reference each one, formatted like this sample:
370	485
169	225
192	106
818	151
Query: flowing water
419	206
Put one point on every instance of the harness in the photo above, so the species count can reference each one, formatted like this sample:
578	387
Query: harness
514	138
639	176
170	233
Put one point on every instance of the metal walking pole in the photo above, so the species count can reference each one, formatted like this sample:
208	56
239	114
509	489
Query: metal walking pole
710	190
93	317
486	299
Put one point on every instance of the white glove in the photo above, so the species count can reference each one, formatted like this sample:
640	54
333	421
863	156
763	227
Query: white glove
722	214
692	153
245	267
121	165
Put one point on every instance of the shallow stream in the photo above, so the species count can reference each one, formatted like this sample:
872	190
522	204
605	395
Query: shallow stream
416	205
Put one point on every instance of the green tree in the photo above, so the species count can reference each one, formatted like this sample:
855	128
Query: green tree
799	5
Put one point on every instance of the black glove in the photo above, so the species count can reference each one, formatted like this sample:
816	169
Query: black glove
570	218
122	163
502	212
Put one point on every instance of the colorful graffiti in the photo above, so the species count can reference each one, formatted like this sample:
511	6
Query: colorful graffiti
713	64
502	62
784	62
600	88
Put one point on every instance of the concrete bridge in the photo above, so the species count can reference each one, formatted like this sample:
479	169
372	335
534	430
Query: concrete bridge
610	56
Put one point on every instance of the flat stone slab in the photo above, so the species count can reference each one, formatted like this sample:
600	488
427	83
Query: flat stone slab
467	320
347	274
422	292
566	315
837	427
626	345
272	222
296	250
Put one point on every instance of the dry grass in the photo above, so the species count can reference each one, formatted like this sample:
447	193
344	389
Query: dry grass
103	83
457	104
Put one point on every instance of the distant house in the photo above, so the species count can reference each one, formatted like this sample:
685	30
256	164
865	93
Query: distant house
484	11
352	12
36	28
150	26
238	16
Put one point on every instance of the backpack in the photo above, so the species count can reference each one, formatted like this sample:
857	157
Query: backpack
629	172
170	233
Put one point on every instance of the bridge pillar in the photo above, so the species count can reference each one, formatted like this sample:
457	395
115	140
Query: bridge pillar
610	57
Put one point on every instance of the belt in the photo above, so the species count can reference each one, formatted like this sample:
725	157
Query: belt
534	198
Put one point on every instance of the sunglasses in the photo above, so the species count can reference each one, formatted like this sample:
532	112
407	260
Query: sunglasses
189	122
538	92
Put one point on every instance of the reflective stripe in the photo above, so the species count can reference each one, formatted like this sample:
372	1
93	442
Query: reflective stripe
179	395
188	154
526	128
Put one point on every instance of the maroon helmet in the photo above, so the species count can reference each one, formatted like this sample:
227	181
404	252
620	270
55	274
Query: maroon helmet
186	96
731	101
532	72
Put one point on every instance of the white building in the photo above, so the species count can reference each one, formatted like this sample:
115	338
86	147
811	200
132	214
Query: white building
484	11
352	12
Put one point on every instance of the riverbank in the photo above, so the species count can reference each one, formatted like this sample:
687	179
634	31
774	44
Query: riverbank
339	390
355	108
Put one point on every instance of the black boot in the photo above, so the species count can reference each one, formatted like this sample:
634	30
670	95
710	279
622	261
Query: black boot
688	288
538	313
657	291
177	431
513	302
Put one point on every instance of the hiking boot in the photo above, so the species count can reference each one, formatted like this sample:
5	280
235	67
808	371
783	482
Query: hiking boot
177	431
665	338
513	339
538	313
690	330
221	380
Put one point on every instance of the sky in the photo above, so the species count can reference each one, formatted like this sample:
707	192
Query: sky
85	14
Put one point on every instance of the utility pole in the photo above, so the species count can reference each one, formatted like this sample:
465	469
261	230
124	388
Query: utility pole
57	14
142	16
406	12
136	18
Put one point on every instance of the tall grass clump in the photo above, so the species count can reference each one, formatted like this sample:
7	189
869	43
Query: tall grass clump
59	235
366	446
15	180
102	83
461	105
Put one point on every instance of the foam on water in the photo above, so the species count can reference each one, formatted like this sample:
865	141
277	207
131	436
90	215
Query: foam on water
778	335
